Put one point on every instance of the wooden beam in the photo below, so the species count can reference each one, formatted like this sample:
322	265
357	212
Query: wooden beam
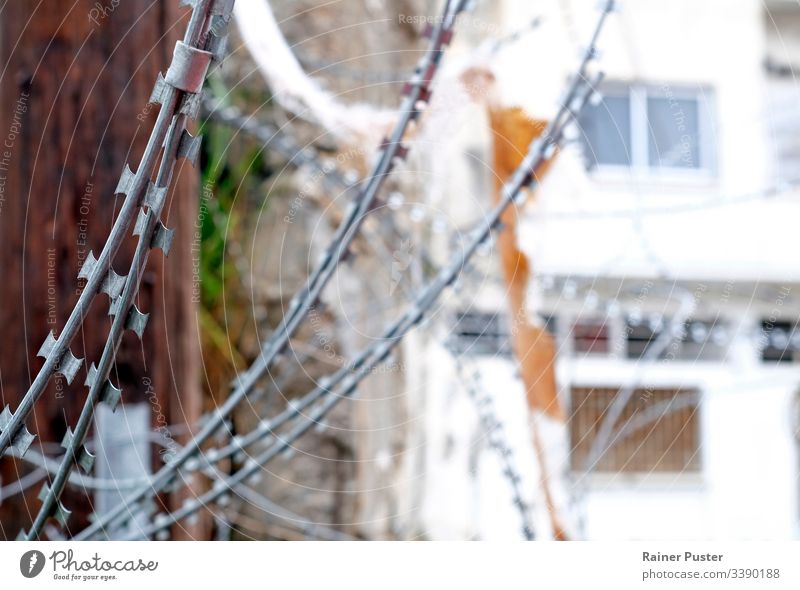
73	110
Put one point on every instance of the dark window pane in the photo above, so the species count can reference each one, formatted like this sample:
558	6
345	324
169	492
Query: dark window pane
779	342
640	335
550	324
673	133
695	340
590	337
606	130
702	341
478	333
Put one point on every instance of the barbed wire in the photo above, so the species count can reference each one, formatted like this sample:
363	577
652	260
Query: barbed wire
123	289
608	435
344	68
326	168
605	437
278	512
311	156
332	177
178	93
46	464
495	436
276	139
770	193
540	152
416	93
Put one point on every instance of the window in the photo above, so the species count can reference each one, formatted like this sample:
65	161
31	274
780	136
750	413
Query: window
703	341
780	342
640	335
696	340
549	323
607	132
648	128
591	337
658	431
783	124
480	333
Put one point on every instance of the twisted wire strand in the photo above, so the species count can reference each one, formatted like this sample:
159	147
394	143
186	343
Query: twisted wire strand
178	97
417	91
493	429
541	151
98	273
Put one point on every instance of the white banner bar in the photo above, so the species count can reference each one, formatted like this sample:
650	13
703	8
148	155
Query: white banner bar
400	566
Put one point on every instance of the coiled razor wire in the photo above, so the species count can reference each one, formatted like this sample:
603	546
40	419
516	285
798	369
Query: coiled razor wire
493	428
416	92
343	383
178	93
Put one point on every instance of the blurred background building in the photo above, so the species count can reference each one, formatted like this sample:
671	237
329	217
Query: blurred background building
621	362
662	246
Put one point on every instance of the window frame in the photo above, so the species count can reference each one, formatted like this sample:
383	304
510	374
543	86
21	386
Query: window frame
477	332
637	94
790	355
601	346
680	347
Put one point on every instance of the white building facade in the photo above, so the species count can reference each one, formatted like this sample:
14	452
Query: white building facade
663	245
